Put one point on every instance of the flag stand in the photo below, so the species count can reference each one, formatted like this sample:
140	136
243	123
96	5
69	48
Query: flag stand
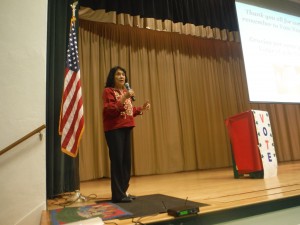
77	197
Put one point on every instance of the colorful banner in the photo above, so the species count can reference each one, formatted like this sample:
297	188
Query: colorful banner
265	142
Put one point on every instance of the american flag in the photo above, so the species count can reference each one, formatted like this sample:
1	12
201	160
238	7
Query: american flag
71	124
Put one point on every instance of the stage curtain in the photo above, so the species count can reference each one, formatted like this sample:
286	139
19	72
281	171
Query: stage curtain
199	30
62	170
213	13
194	82
193	85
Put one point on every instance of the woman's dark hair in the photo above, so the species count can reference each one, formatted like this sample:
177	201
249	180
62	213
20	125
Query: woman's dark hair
110	81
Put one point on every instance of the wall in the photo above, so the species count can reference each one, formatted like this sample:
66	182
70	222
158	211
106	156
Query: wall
23	28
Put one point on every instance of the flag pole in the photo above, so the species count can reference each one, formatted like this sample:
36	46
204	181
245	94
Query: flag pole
77	196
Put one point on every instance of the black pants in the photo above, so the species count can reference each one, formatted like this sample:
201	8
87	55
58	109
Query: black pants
119	144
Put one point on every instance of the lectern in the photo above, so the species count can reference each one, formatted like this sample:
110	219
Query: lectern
252	144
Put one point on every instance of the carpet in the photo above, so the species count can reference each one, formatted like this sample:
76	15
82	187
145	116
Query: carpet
154	204
104	210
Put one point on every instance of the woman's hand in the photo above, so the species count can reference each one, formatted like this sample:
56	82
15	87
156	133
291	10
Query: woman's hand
146	106
128	94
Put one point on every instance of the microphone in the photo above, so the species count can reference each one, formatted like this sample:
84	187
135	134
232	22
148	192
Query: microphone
128	88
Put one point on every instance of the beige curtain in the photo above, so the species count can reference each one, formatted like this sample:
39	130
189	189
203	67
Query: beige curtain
193	84
158	25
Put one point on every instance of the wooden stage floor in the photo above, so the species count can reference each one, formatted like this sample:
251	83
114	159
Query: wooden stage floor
217	188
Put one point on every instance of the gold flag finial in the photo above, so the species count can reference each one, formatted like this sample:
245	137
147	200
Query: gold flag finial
73	6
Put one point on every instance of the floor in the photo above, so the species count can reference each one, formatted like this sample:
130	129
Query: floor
216	187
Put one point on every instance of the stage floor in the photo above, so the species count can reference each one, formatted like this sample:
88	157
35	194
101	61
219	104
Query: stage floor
216	187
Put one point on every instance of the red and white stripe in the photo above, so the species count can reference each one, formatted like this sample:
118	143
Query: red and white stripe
71	119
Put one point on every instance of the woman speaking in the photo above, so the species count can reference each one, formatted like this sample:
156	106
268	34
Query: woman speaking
118	121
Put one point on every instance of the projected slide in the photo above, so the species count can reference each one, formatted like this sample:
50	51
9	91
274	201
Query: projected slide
271	49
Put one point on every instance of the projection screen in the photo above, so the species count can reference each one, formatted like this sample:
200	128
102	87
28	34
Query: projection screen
271	50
